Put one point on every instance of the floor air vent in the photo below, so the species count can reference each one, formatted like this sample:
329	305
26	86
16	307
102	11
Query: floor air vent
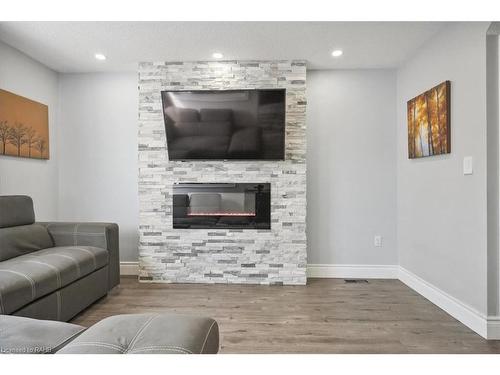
356	281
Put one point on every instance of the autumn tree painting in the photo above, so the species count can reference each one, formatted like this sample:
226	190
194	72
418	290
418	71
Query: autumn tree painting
24	127
429	122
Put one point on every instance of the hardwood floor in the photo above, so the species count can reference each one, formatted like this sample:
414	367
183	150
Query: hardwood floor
326	316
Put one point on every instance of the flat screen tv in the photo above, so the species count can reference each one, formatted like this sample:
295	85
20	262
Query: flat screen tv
225	124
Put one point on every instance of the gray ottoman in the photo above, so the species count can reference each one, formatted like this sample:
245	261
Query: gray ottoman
19	335
120	334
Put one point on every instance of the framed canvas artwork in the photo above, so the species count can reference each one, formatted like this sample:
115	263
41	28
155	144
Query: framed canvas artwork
24	127
429	122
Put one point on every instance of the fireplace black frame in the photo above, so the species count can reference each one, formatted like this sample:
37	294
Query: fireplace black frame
206	206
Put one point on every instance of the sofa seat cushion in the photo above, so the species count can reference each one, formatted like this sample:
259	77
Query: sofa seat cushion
29	277
148	334
206	129
203	147
19	335
216	114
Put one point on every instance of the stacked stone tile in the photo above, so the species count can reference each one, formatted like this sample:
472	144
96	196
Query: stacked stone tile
276	256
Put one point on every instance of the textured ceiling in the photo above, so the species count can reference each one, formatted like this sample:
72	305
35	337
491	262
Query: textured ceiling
70	46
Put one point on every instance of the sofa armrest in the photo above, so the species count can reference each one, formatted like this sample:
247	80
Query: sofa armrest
103	235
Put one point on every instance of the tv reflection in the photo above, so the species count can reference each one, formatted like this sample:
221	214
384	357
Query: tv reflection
225	124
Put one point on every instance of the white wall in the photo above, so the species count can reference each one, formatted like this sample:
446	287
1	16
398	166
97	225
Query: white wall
442	214
351	146
38	178
98	153
492	85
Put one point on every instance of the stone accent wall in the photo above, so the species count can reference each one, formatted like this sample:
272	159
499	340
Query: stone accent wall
276	256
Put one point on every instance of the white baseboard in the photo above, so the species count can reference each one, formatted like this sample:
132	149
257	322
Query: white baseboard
493	328
457	309
487	327
352	271
129	268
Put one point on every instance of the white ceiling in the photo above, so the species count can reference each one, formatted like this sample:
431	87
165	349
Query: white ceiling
70	46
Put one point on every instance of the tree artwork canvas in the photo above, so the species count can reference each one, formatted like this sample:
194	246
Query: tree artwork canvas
429	122
24	127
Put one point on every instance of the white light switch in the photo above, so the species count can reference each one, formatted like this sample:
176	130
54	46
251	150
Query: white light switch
377	241
467	165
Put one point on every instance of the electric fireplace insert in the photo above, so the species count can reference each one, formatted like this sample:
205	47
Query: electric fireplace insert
221	206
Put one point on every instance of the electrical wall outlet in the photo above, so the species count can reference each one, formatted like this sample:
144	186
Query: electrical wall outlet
377	241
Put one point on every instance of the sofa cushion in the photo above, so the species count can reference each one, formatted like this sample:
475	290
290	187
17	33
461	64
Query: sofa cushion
23	239
216	128
16	210
186	129
175	114
245	143
200	203
29	277
19	335
206	128
199	147
215	114
148	334
102	235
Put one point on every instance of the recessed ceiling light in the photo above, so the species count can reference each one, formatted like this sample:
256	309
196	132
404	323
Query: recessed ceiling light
100	56
217	55
337	53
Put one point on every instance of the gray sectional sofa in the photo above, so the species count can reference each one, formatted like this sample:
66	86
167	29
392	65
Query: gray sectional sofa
53	270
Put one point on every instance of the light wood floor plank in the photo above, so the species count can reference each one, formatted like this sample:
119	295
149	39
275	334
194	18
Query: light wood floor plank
326	316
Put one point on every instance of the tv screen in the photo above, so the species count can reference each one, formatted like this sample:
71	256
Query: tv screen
225	124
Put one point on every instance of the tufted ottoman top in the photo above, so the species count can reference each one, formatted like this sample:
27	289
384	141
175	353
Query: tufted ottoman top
148	334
